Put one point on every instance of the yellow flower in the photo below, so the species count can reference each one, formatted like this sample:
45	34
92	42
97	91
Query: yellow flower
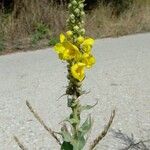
88	60
71	51
77	71
62	38
87	44
88	41
59	48
66	50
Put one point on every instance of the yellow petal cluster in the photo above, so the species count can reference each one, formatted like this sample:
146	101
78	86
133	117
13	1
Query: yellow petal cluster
87	45
66	50
88	60
77	71
77	53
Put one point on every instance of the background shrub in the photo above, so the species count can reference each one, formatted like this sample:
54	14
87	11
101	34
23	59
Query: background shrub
2	46
41	32
119	6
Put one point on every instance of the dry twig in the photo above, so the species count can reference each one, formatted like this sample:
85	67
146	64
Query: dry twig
103	133
52	133
19	143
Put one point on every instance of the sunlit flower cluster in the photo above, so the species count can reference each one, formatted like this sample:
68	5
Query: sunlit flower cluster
78	53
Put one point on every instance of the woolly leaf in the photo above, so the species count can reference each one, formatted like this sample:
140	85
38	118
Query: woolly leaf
79	142
87	107
66	136
86	126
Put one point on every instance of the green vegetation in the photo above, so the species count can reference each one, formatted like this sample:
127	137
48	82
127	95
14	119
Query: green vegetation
41	32
53	41
2	46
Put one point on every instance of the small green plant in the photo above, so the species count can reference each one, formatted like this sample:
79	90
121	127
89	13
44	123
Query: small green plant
2	46
41	32
53	41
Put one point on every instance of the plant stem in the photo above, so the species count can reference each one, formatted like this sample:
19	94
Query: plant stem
74	91
103	133
42	122
76	25
22	147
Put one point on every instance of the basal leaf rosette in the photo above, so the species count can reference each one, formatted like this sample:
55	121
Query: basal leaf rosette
77	53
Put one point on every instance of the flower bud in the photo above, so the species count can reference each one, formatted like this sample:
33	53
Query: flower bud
74	2
82	13
69	5
77	11
82	31
78	84
81	6
76	28
73	21
80	39
69	33
80	25
72	16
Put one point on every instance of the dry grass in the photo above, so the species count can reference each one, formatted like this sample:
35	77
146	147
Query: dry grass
17	28
101	22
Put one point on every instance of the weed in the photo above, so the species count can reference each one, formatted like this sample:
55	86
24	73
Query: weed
53	41
130	142
41	31
2	46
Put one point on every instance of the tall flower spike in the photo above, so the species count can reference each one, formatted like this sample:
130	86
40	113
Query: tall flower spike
75	49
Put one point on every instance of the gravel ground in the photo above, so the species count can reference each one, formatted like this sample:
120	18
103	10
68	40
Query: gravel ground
120	80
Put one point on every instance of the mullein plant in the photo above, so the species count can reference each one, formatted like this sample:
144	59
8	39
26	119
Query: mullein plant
76	50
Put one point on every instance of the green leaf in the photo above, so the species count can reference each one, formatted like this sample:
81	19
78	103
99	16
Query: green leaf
53	41
66	135
87	107
79	142
86	126
66	146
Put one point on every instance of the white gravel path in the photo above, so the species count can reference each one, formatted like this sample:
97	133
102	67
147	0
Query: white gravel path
120	79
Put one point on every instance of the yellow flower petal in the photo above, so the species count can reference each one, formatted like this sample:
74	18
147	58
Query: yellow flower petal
67	51
62	38
77	71
89	60
87	45
71	51
59	48
88	42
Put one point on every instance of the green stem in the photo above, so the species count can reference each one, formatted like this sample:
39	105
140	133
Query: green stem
74	91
